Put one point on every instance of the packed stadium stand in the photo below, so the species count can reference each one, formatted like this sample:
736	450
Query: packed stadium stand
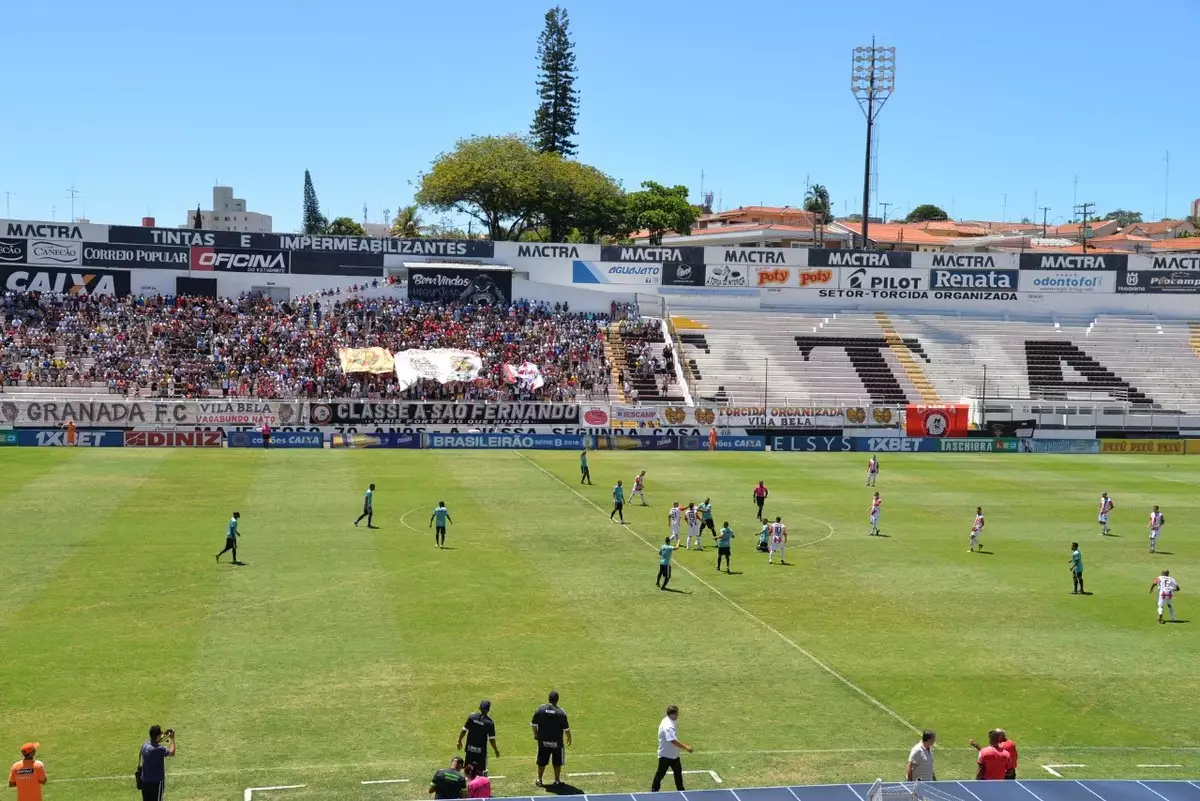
254	346
928	358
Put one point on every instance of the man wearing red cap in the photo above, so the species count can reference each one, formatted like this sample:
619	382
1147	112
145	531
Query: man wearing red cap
28	774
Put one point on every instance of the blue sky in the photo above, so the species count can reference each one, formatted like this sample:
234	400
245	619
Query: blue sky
142	105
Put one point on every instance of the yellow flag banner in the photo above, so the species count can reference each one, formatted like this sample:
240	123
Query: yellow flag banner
366	360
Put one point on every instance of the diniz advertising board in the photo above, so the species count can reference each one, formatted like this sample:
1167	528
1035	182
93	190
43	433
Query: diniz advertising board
142	414
432	413
460	285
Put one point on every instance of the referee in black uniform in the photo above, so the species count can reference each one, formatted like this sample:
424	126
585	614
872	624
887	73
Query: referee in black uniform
479	731
552	732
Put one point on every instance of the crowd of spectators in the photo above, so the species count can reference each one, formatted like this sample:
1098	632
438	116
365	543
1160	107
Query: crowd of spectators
255	346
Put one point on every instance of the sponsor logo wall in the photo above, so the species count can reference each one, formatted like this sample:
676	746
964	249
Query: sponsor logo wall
859	258
71	281
445	285
26	229
135	256
894	444
14	251
506	441
1064	445
643	254
443	413
1073	261
881	283
57	438
134	414
55	253
948	420
812	444
591	272
1065	281
279	439
385	440
974	284
678	273
726	275
1174	261
775	277
174	439
239	261
1158	282
1162	447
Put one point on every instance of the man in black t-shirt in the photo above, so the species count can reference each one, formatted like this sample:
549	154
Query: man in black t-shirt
449	782
552	733
479	730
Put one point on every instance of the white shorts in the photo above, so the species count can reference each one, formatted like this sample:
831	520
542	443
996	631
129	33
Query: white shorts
1154	533
1167	602
1104	518
874	520
637	492
675	530
694	532
975	536
778	546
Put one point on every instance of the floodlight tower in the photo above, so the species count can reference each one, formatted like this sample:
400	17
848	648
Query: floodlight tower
872	80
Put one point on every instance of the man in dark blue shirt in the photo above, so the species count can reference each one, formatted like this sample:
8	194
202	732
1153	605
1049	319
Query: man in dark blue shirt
152	764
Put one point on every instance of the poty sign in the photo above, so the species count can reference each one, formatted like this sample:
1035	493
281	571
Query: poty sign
817	278
774	277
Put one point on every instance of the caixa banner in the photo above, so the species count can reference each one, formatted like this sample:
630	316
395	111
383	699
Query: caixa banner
724	443
279	439
57	438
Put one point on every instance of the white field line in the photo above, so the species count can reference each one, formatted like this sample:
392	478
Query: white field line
1160	766
1051	769
712	773
808	654
1057	749
593	773
250	791
386	781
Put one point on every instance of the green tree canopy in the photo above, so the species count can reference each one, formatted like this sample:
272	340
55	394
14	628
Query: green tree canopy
659	209
580	199
314	221
553	126
345	226
407	224
1124	217
491	179
816	201
927	212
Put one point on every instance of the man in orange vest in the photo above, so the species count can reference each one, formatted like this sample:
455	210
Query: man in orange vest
712	439
28	774
70	426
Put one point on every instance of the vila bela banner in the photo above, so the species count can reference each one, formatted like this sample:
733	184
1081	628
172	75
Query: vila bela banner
948	420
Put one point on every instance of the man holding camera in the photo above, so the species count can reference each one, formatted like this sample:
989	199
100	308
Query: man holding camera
152	764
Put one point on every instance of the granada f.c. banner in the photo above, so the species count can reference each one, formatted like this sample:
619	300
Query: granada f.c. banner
949	420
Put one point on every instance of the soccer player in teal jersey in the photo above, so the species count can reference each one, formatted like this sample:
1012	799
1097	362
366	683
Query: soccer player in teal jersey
585	475
442	515
664	563
618	496
368	507
706	517
231	535
724	546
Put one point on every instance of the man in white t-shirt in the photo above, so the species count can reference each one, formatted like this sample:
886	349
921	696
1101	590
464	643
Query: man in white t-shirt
920	759
668	751
1166	588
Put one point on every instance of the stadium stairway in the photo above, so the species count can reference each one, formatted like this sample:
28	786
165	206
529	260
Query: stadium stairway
614	351
929	395
1194	337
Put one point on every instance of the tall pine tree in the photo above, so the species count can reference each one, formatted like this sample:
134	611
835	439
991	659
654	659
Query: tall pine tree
553	126
314	221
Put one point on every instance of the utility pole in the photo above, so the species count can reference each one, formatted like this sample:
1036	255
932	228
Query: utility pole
1084	209
872	81
1005	207
1167	186
884	218
8	204
1045	211
73	194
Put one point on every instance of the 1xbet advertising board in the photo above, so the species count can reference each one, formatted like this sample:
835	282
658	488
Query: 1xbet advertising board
57	438
894	444
70	281
460	285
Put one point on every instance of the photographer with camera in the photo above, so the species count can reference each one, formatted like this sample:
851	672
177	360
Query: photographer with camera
151	774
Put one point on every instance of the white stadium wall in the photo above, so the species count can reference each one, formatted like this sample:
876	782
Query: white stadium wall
117	259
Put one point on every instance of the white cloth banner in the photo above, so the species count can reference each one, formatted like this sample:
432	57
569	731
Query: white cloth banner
526	374
437	364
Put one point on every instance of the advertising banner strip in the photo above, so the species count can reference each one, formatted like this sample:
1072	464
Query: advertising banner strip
481	287
279	439
812	444
859	258
1159	282
946	420
1073	261
65	280
1167	262
8	438
139	414
592	272
135	257
632	443
1077	446
1161	447
174	439
979	445
57	438
385	440
505	441
894	444
418	413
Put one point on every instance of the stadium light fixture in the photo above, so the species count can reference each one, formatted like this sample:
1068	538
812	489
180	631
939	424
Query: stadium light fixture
872	81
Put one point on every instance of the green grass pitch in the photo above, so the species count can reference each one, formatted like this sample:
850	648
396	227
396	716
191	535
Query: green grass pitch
339	655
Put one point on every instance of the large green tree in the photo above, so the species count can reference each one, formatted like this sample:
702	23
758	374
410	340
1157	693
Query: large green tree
345	226
927	212
314	221
407	224
1124	217
578	201
658	209
553	128
492	179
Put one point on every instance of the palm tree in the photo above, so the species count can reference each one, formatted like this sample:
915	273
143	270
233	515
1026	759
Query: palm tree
407	224
816	202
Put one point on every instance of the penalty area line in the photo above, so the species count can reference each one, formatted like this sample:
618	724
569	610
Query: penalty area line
755	618
249	792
